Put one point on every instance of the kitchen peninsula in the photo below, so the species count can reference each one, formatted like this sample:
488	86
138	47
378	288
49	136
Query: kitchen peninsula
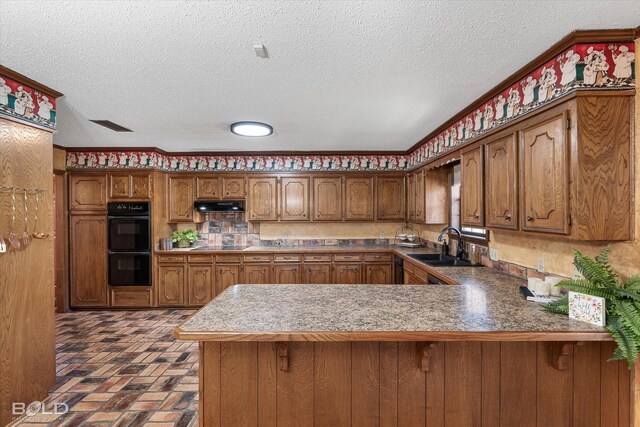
472	353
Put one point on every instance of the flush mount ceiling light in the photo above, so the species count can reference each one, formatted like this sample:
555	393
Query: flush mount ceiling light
251	129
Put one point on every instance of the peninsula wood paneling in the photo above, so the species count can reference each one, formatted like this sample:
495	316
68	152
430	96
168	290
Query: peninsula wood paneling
450	384
27	334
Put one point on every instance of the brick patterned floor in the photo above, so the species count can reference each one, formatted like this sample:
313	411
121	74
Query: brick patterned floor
123	368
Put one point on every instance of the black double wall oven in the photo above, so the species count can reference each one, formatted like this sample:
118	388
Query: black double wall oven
129	243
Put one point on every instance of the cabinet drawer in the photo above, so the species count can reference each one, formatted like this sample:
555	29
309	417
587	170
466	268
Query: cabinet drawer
347	257
228	258
130	298
287	258
317	258
201	258
257	258
171	258
377	257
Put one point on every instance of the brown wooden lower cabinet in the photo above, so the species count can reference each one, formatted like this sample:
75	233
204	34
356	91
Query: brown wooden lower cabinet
227	275
378	274
88	260
347	273
319	273
170	283
257	274
286	274
456	384
200	284
131	296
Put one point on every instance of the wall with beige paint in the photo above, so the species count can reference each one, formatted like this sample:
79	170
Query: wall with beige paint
316	230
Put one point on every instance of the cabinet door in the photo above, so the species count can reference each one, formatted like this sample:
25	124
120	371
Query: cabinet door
411	197
390	198
501	183
420	197
180	199
262	199
226	275
471	191
359	199
119	186
543	177
88	256
200	284
233	188
327	199
317	274
140	186
287	273
257	274
378	274
87	192
171	280
436	183
347	274
295	199
208	188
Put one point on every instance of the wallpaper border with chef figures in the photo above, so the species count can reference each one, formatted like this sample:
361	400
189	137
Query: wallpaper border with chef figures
584	66
23	103
246	163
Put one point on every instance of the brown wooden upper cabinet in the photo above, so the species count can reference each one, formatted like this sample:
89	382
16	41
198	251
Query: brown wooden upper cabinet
87	192
327	198
295	199
358	199
501	182
88	257
220	187
544	176
262	199
129	186
208	188
233	187
181	199
390	198
437	190
472	188
416	196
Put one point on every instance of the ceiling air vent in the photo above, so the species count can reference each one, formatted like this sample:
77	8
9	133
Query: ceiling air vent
110	125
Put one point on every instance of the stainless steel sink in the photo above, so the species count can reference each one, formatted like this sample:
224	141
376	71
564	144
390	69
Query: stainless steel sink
439	260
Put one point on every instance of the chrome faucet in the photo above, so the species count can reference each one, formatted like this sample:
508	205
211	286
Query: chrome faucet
460	251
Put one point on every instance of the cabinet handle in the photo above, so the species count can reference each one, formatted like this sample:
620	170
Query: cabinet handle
507	217
476	216
530	218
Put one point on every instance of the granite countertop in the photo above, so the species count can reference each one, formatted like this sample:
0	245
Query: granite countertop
485	305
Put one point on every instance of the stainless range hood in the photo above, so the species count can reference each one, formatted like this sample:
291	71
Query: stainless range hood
226	206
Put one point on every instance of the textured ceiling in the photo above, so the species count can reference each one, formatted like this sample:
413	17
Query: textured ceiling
353	75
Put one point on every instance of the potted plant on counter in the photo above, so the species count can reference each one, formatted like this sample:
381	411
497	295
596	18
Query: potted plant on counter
184	238
622	301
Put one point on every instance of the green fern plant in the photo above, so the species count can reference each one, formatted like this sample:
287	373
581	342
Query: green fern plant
622	301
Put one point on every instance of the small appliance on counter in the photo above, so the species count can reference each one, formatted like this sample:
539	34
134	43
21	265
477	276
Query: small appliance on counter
407	236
